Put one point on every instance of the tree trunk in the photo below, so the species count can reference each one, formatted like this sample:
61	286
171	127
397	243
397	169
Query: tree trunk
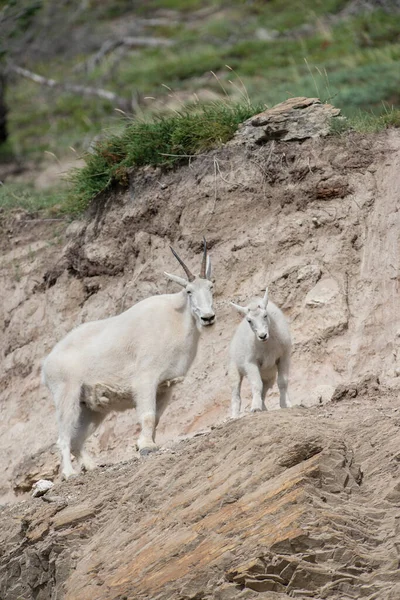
3	109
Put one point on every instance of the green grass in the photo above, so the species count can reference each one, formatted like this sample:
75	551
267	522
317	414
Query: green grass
351	62
289	14
165	141
157	67
179	5
360	56
19	195
367	122
342	50
364	88
48	121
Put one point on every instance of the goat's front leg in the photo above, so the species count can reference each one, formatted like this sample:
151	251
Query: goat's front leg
256	383
283	381
267	385
146	409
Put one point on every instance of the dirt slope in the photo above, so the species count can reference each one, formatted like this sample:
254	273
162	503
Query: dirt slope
299	503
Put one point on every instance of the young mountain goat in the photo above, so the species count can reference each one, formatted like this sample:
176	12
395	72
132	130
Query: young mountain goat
260	347
127	361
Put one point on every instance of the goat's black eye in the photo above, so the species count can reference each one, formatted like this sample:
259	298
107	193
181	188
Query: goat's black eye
188	292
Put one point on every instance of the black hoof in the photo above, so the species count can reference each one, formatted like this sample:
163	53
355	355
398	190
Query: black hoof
146	451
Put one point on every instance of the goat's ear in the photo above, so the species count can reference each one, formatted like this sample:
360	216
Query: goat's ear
176	279
241	309
208	268
265	299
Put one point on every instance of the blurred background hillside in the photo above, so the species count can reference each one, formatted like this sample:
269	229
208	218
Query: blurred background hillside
71	69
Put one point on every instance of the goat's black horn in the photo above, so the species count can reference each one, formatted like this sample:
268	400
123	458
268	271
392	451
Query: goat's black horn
189	275
204	261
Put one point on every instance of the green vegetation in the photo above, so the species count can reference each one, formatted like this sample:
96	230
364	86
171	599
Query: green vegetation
164	141
265	51
54	122
359	68
20	195
367	122
351	60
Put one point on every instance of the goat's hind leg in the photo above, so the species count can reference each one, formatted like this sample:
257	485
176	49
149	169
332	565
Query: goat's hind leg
235	379
68	411
283	381
88	422
146	406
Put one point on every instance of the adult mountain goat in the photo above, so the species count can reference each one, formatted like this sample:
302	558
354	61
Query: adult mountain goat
124	362
260	349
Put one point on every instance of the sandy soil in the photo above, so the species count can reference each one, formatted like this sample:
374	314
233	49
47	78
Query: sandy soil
295	503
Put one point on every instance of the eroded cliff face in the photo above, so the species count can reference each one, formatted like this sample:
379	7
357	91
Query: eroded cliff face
317	221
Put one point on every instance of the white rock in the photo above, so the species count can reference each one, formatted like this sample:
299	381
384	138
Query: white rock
266	35
308	272
324	292
41	487
325	312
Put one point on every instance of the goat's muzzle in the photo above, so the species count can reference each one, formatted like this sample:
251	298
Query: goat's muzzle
207	320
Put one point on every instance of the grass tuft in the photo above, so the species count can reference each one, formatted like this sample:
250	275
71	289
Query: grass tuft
367	122
164	141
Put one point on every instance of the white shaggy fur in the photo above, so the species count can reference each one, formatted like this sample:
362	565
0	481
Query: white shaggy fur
260	349
124	361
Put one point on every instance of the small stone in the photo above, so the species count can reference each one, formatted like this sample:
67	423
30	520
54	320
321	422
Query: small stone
41	465
266	35
316	222
41	487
